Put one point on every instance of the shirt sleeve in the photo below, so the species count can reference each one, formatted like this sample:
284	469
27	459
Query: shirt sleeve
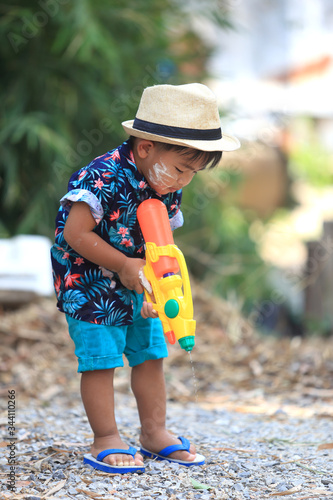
176	217
88	197
94	185
177	220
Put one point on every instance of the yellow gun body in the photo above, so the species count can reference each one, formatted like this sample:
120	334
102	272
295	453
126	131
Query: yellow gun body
172	294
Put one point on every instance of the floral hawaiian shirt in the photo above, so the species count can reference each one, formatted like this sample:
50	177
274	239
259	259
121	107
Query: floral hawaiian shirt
113	188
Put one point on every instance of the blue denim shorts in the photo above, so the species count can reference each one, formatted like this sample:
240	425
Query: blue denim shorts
99	347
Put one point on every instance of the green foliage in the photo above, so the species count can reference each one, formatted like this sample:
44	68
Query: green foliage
72	72
199	486
310	161
318	327
313	164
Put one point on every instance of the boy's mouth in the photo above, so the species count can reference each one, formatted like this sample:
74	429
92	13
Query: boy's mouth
170	189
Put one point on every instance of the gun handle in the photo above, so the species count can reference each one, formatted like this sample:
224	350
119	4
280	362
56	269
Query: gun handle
171	337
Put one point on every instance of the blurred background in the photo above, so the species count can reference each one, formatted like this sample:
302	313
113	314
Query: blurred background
258	231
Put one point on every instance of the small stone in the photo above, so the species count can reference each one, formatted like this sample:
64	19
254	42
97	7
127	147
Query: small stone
73	478
238	487
270	480
58	474
244	474
72	491
297	482
283	487
233	466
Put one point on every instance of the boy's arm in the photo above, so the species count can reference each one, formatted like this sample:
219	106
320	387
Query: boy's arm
80	236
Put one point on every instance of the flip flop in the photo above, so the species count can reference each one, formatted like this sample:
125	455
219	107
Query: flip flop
97	463
164	454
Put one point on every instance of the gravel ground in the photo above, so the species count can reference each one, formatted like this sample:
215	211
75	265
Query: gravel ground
248	455
259	408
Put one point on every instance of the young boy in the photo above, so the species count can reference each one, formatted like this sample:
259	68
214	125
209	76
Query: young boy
98	255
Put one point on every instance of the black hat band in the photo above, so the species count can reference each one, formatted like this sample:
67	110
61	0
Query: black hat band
192	134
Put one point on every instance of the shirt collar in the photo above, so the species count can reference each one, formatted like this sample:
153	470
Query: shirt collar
131	171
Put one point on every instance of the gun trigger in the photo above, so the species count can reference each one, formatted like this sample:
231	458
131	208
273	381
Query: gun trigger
171	337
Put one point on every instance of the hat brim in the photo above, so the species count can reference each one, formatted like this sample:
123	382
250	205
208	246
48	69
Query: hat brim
226	143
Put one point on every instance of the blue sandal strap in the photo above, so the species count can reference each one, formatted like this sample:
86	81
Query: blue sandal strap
185	446
112	451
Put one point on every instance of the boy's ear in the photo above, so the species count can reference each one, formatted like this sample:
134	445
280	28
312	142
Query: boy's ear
144	147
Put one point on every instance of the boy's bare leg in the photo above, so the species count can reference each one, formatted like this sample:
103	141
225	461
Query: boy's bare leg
98	399
148	386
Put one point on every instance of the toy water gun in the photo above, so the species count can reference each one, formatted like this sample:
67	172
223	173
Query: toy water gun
170	293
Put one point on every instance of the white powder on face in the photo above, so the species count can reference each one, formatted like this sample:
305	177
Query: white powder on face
160	175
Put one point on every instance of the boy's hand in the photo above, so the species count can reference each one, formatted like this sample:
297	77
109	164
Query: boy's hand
129	274
148	311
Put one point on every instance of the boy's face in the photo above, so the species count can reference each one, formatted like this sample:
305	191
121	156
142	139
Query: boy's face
168	171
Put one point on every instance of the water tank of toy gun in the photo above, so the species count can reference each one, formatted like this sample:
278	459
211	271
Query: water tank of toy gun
155	226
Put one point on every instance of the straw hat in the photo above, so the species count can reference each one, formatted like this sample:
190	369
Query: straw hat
186	115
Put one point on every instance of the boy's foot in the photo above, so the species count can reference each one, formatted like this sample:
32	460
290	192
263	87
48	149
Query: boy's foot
113	442
163	439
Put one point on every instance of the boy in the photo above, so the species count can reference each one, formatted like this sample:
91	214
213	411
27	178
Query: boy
98	257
